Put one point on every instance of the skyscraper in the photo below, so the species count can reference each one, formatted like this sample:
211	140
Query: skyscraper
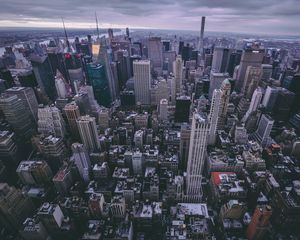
98	79
283	105
255	101
17	115
72	112
60	86
44	75
197	151
201	44
226	88
178	72
163	110
220	59
82	161
155	53
264	128
88	132
182	110
252	56
215	81
26	94
252	79
213	117
51	121
270	96
142	81
14	206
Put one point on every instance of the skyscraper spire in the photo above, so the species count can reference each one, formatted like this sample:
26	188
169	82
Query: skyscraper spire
97	27
66	36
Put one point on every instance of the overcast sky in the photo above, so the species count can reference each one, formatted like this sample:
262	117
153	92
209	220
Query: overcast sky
252	16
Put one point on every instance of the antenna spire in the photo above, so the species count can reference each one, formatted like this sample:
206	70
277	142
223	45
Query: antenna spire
66	35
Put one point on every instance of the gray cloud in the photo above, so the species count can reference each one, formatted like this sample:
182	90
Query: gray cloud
268	16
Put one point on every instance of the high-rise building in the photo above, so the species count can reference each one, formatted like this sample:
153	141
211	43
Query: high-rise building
138	139
155	53
137	163
220	59
16	115
44	75
283	105
226	88
15	207
201	44
82	161
34	172
254	104
88	132
213	117
50	121
269	99
215	81
52	217
267	70
260	223
234	60
105	61
252	79
28	98
60	86
262	134
72	112
196	159
142	81
178	73
185	134
163	110
252	56
182	110
98	79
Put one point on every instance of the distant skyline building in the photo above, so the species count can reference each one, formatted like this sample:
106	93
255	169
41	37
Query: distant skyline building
155	53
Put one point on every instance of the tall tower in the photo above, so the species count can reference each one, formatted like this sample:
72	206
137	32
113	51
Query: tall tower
178	72
259	224
197	151
213	117
88	132
200	44
142	81
72	112
82	160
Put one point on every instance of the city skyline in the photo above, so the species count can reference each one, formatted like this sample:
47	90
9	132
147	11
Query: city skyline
268	17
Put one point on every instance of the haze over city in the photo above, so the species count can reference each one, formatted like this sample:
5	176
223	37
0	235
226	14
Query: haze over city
255	16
